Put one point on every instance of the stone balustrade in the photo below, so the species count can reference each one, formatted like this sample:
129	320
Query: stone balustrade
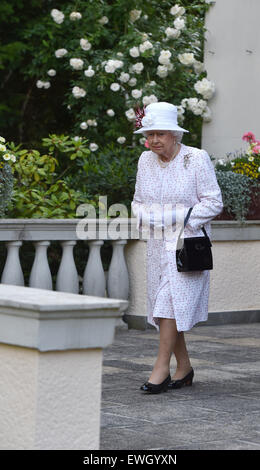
233	292
41	232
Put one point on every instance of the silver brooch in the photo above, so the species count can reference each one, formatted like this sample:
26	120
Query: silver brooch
187	160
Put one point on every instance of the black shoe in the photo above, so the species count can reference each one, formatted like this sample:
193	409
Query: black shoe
156	388
186	381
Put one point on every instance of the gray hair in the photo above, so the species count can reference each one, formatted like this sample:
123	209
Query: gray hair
178	135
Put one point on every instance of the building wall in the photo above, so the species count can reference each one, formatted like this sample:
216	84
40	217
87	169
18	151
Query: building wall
232	59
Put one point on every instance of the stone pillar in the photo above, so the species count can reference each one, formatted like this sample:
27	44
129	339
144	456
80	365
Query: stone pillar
136	313
232	62
51	360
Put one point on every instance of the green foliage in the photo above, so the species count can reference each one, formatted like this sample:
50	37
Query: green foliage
39	191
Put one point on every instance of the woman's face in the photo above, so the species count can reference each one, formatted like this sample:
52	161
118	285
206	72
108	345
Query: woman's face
161	142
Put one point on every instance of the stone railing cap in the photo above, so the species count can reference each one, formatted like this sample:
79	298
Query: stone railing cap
49	320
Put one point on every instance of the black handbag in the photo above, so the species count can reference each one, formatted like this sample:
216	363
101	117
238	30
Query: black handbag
195	254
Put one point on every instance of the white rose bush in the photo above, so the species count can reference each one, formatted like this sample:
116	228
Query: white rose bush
105	62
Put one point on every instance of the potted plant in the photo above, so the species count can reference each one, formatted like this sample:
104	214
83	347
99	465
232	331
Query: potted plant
239	180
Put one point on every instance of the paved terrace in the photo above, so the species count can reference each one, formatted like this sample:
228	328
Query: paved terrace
220	411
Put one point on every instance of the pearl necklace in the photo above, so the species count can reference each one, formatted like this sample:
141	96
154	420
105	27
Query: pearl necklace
165	164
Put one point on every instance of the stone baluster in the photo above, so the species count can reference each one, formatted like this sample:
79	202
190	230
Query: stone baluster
40	275
12	273
94	282
117	279
67	276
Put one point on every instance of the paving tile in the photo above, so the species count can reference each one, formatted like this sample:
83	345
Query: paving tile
220	411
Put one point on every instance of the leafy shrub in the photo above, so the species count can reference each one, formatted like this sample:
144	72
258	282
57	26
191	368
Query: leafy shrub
38	190
107	58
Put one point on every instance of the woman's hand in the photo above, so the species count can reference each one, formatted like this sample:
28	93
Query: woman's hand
159	219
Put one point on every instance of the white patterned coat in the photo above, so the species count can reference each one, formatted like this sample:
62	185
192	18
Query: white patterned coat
188	181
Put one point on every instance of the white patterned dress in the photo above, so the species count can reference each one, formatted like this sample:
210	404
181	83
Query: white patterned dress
188	181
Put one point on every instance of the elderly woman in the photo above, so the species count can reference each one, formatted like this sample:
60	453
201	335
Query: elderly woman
171	179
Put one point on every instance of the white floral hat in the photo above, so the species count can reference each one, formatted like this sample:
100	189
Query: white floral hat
160	116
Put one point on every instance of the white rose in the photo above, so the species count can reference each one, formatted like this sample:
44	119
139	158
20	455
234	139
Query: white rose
92	122
93	147
39	84
177	10
145	46
172	33
132	81
89	72
103	20
205	87
196	106
134	52
124	77
60	53
83	125
2	139
198	66
85	44
75	15
207	115
51	73
110	67
187	58
121	140
149	99
118	63
2	148
78	92
115	87
130	114
162	71
138	67
164	57
76	64
135	15
110	112
142	140
6	156
136	93
57	16
179	23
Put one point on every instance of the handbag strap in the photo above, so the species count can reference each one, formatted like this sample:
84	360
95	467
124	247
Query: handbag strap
186	220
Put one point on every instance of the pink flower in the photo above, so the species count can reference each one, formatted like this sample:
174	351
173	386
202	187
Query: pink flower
146	144
249	137
256	148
